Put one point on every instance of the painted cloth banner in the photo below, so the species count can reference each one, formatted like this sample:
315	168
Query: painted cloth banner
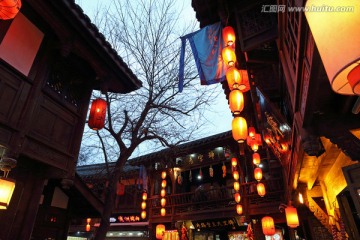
206	45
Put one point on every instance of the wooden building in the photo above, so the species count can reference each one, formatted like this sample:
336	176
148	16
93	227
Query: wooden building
51	58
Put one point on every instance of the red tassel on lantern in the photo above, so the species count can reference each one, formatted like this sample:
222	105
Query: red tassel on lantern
97	114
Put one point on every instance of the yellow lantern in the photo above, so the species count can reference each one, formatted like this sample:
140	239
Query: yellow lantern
236	101
163	174
239	209
236	186
256	158
163	183
268	226
229	57
162	192
261	189
258	174
237	197
228	34
163	202
236	175
234	79
143	214
292	218
233	162
7	186
143	205
162	211
239	129
160	229
337	38
144	196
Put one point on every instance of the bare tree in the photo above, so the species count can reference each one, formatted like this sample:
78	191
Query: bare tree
146	35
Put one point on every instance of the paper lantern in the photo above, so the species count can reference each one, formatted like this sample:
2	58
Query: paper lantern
237	197
236	175
236	186
160	229
292	218
234	79
233	162
239	209
163	202
144	196
143	214
336	34
97	114
258	174
228	56
256	158
87	227
163	174
7	186
239	129
268	226
252	132
236	101
163	183
162	211
228	35
163	192
143	205
9	9
261	189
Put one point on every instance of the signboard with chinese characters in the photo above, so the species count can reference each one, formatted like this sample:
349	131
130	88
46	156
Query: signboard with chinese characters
125	218
212	155
225	223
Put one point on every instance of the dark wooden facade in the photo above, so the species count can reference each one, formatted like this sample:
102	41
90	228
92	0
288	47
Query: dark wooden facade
60	57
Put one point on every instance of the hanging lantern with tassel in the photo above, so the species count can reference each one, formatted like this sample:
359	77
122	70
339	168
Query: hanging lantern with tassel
160	229
234	79
9	9
97	114
143	214
229	56
233	162
268	226
163	174
237	197
228	34
258	174
236	101
292	218
239	129
260	187
144	196
239	209
256	158
163	202
162	211
236	175
236	186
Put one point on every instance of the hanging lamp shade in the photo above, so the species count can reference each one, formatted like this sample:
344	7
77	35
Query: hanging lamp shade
228	34
260	187
163	174
228	56
160	229
239	129
97	114
143	214
236	101
7	186
144	196
256	158
292	218
163	202
143	205
233	162
236	175
336	34
236	186
237	197
234	79
239	209
258	174
163	183
9	9
162	211
268	226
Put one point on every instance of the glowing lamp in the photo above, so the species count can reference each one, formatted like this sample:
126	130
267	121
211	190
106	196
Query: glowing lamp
160	229
260	187
143	214
239	129
256	158
236	175
97	114
87	227
144	196
162	192
292	218
7	186
252	132
9	9
237	197
268	226
257	174
163	183
233	162
228	56
236	101
162	211
143	205
228	35
236	186
239	209
234	79
337	39
163	202
163	174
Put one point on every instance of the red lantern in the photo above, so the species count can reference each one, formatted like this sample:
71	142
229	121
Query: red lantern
163	183
261	189
162	192
256	158
237	197
292	218
9	9
234	79
236	186
87	227
239	129
163	174
163	202
268	226
258	174
144	196
233	162
228	34
229	57
252	132
160	229
236	101
236	175
162	211
97	114
239	209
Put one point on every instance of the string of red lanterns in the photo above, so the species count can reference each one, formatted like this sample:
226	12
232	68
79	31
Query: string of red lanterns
163	193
